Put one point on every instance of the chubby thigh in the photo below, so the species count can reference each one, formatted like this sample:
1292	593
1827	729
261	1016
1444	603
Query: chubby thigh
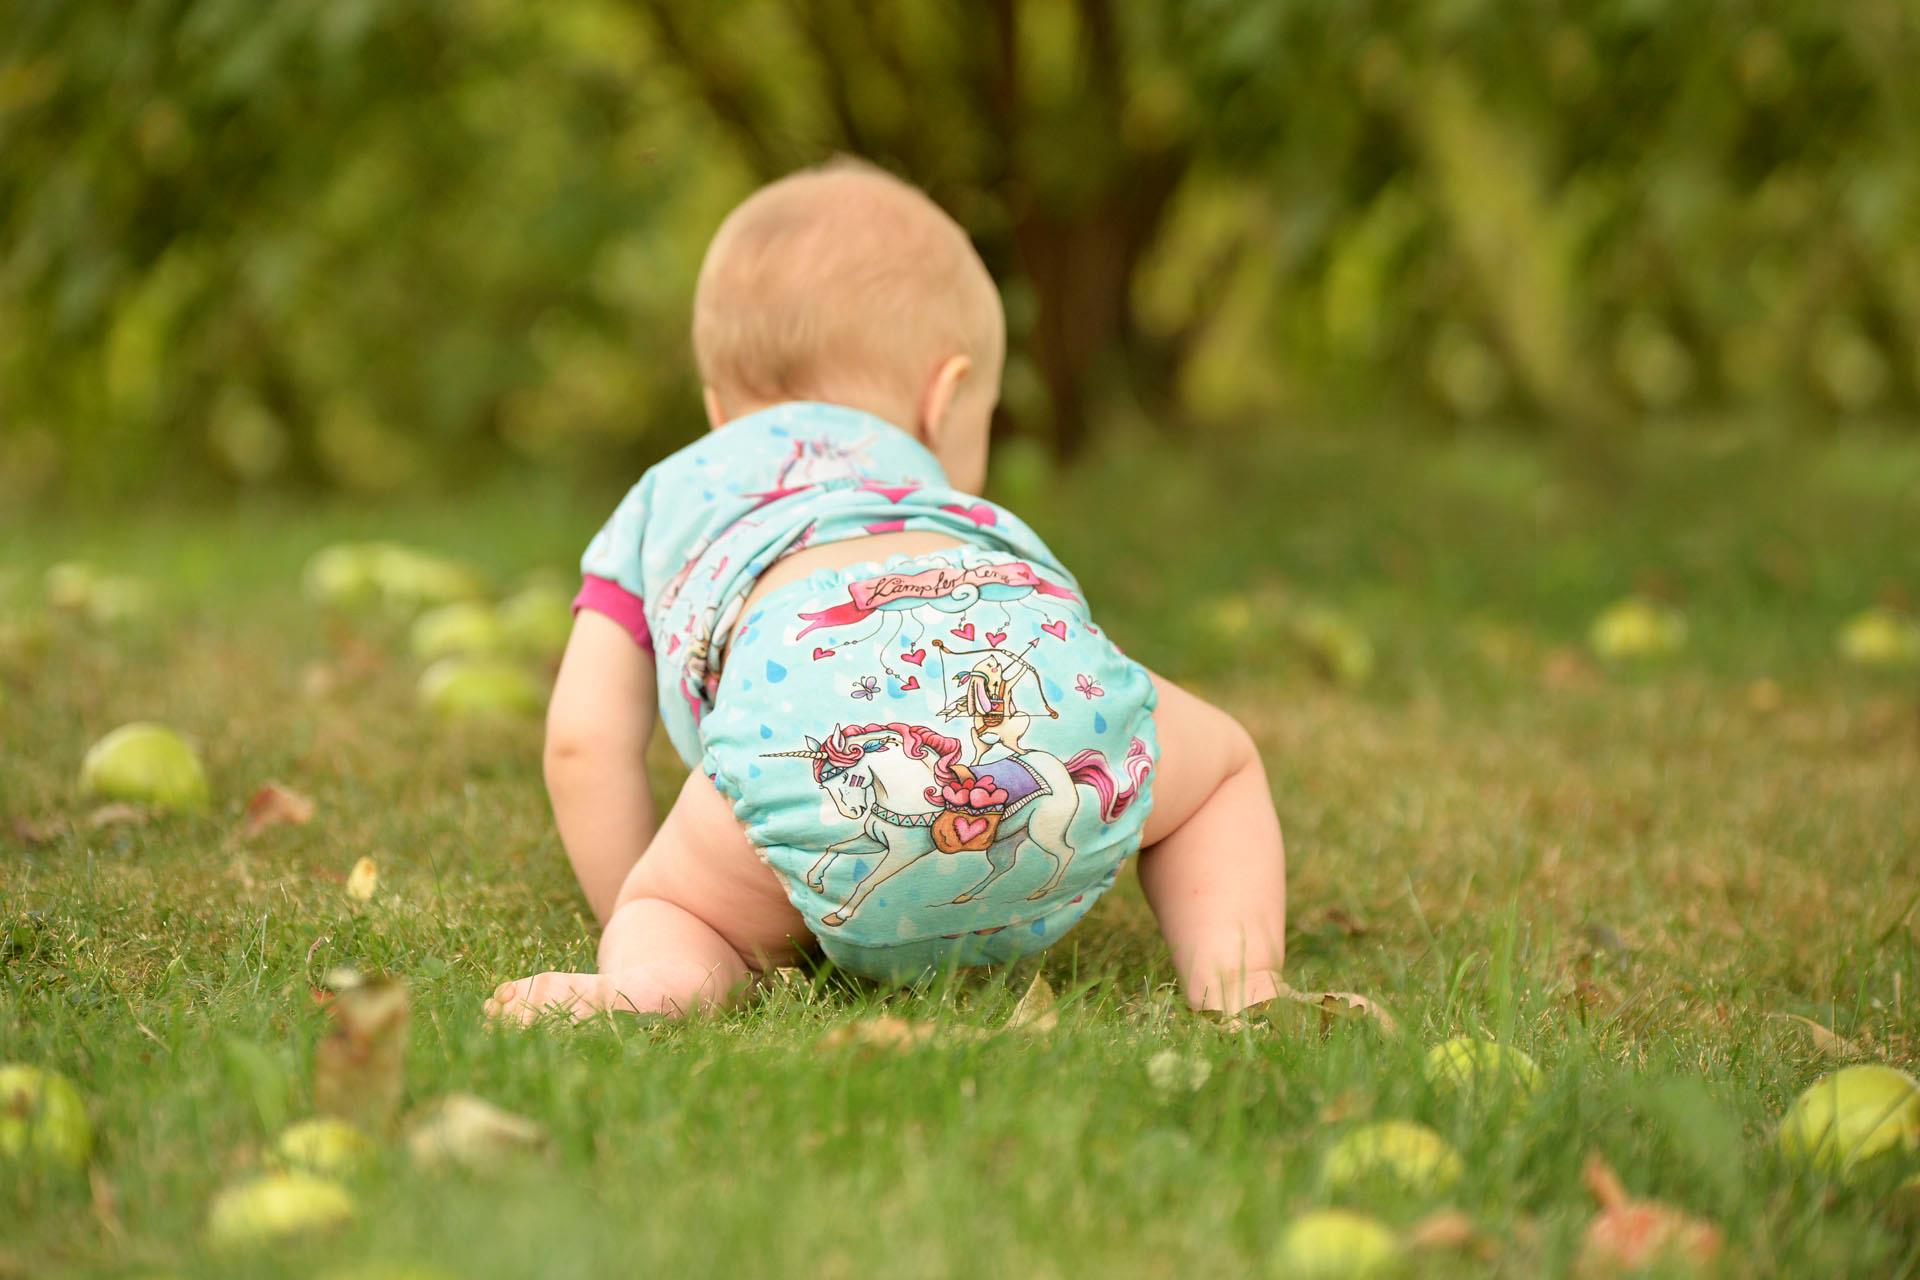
942	757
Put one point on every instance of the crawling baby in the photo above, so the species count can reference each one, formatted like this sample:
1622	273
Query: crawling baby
910	743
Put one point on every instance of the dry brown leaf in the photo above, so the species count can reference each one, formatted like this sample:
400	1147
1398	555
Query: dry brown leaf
37	833
1764	696
1567	670
1905	1204
118	814
1330	1006
1825	1039
1345	923
1345	1105
471	1133
1595	997
364	880
105	1198
1450	1231
888	1031
274	806
1038	1011
1629	1234
359	1068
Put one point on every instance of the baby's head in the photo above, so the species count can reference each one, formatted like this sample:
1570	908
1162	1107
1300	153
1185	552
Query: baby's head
847	285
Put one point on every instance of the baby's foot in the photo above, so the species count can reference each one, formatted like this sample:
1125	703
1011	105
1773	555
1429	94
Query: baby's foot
579	995
664	989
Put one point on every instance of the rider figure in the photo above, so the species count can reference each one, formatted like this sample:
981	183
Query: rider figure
986	698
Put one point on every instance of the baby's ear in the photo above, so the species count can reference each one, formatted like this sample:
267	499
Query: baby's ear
716	416
936	403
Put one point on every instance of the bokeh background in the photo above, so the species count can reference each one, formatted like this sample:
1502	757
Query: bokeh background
404	245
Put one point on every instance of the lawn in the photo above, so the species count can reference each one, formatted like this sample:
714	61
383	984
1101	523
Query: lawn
1630	869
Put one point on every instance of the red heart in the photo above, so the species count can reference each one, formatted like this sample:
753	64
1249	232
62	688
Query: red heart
964	632
1058	630
673	642
917	657
886	526
819	653
911	682
980	513
996	637
967	828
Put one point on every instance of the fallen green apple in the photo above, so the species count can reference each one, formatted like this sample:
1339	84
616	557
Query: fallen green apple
537	620
1851	1119
70	584
1393	1153
1878	638
387	1271
343	576
274	1206
1463	1065
323	1145
411	579
117	598
479	689
43	1118
1637	628
463	629
355	575
1339	648
147	764
1333	1244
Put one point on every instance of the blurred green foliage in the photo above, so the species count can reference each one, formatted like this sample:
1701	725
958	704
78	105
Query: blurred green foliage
383	244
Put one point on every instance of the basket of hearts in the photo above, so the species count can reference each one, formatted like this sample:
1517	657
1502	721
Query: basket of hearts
974	807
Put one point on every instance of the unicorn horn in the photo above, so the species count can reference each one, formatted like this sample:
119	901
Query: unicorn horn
804	755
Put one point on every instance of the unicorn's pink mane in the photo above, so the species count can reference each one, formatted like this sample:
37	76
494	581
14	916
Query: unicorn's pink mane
916	740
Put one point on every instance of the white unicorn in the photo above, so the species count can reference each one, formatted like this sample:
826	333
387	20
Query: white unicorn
889	779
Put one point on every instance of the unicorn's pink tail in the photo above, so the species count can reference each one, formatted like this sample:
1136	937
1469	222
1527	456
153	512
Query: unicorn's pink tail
1089	769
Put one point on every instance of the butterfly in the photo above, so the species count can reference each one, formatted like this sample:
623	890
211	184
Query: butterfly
1088	685
865	687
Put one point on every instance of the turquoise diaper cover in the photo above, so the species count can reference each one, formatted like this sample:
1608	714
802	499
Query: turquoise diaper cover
941	756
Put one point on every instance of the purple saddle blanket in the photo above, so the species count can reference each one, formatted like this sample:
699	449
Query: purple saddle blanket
1011	776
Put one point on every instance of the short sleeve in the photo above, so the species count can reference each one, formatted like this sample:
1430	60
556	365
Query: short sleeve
610	599
611	578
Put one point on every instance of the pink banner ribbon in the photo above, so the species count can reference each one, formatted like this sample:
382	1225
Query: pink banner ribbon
896	590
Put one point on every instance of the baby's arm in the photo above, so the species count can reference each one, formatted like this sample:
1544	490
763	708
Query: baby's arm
598	726
1214	868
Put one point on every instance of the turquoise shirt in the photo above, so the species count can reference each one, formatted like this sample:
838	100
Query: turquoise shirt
685	547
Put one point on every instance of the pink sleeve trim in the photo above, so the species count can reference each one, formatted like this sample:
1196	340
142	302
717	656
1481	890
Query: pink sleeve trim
608	598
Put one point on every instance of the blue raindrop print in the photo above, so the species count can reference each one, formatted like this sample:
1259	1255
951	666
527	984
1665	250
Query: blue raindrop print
753	771
859	868
775	672
1099	723
1039	926
766	732
745	684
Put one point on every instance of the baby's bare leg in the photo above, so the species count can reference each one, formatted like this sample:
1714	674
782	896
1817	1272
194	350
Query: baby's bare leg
1214	868
696	916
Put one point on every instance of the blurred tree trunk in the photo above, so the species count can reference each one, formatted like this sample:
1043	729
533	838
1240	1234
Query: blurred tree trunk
1076	245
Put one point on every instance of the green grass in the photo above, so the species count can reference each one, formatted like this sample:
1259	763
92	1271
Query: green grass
1624	871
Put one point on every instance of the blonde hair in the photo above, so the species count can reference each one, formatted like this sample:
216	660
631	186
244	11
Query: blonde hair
840	282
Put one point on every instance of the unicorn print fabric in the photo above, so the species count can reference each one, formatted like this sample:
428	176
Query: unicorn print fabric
942	757
686	545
